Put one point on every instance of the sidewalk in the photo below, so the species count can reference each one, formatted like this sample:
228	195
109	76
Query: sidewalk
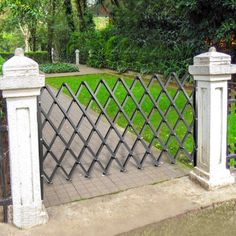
113	214
84	70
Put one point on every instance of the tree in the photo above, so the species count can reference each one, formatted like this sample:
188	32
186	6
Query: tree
25	14
210	23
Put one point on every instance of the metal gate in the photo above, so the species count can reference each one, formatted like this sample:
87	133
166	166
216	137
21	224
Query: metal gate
116	123
5	192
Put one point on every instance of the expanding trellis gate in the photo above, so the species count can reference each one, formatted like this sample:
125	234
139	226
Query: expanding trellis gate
119	123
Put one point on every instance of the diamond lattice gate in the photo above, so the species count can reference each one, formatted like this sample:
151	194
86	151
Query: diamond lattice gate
116	123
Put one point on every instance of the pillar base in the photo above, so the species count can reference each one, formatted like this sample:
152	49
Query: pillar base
25	217
210	182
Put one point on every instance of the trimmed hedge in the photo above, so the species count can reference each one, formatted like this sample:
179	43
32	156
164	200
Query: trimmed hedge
58	68
39	56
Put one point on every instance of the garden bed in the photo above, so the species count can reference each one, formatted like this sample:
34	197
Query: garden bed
58	68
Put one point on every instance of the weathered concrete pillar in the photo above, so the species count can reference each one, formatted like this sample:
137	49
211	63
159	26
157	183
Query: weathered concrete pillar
21	85
212	70
77	57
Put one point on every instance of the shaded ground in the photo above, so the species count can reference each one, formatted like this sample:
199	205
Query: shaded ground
212	221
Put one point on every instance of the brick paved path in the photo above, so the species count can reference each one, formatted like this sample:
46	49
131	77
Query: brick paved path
63	191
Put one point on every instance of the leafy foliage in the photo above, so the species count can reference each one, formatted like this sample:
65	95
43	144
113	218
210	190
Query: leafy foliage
58	68
106	49
210	23
1	63
142	35
162	36
24	14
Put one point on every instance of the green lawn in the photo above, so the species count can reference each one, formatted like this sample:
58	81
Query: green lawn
102	95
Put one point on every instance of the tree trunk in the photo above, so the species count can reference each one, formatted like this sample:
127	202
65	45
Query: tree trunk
69	15
51	28
26	34
80	10
34	37
27	45
105	8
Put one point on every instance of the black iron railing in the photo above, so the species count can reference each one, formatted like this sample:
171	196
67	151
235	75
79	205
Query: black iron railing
5	192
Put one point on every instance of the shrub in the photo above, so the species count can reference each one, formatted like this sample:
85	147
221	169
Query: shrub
110	49
58	68
6	55
84	41
121	54
38	56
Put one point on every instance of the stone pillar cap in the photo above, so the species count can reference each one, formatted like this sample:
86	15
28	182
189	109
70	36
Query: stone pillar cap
212	63
212	57
21	72
77	50
21	64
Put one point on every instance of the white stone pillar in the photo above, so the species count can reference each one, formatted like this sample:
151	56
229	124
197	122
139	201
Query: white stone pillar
77	57
90	53
21	85
212	70
53	55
